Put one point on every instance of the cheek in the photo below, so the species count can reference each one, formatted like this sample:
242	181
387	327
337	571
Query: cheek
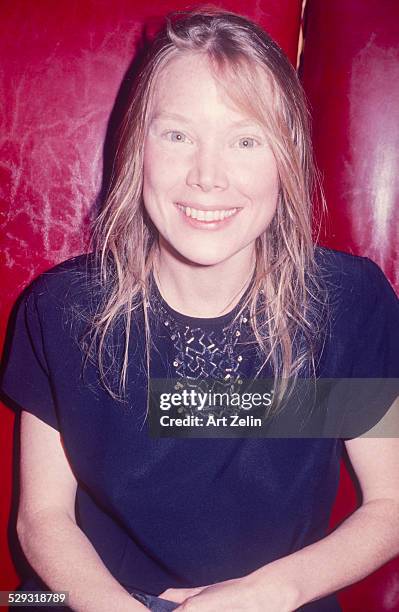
152	166
160	157
266	189
260	181
161	172
154	183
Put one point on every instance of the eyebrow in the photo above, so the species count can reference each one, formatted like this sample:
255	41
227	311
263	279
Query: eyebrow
178	117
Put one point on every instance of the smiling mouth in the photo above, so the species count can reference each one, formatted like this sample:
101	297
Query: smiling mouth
207	216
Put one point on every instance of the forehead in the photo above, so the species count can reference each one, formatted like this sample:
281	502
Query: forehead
187	75
189	80
184	65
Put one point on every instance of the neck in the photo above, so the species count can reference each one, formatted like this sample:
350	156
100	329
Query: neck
203	290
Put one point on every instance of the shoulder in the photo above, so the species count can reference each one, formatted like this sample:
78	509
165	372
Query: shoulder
73	282
354	282
344	267
72	294
363	317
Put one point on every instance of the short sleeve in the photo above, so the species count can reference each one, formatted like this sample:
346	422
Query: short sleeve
377	344
375	373
26	379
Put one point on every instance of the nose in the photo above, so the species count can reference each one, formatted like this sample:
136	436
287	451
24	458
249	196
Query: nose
207	170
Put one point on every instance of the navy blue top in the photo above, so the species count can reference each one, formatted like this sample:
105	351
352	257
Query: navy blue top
170	513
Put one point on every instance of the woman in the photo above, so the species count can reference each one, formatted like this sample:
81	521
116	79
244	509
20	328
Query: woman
203	246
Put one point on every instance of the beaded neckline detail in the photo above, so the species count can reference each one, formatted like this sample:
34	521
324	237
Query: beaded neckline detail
208	353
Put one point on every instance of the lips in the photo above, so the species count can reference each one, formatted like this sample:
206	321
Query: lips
208	216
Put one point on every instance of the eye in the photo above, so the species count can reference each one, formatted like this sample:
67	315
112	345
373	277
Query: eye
247	143
175	136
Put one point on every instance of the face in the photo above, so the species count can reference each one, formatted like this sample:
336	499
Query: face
210	177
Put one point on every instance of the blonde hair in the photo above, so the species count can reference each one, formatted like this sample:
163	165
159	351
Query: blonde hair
124	242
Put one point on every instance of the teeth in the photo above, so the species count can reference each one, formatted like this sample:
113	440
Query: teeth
208	215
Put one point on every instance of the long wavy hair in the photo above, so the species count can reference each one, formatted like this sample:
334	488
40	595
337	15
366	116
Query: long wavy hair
124	242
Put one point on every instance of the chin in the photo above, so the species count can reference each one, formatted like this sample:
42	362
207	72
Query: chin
204	259
203	250
201	256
